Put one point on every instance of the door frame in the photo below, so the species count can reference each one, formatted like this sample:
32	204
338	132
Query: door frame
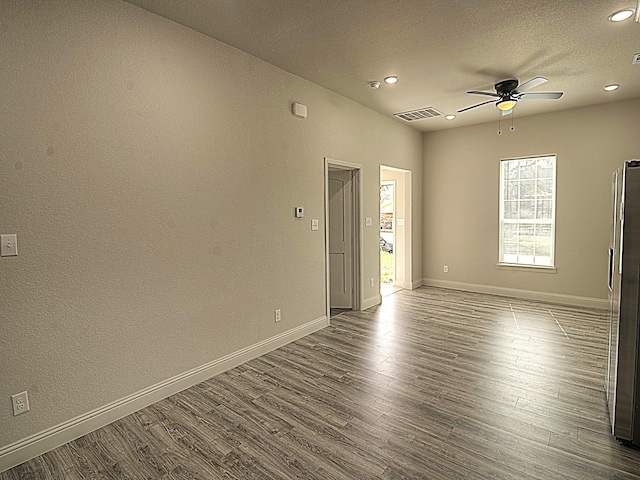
357	229
407	245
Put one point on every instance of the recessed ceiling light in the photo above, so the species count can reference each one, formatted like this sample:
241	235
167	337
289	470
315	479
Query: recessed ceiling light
611	88
621	15
449	117
391	80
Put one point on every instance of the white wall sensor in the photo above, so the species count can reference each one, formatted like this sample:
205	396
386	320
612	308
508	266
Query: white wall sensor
299	110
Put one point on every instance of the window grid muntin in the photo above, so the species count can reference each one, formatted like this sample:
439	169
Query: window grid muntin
531	180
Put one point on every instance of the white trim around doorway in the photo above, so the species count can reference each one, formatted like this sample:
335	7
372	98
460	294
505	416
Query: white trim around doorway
407	245
358	231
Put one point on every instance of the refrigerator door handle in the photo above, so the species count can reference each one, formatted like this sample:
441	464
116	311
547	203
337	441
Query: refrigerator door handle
610	275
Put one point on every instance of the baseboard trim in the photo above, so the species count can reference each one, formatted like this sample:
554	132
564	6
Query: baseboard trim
371	302
408	285
572	300
42	442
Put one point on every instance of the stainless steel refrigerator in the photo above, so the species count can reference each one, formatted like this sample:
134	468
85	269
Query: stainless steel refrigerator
623	366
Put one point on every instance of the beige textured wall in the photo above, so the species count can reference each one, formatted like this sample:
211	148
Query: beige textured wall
460	191
151	173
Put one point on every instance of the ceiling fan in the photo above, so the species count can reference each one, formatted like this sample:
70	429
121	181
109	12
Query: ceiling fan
508	93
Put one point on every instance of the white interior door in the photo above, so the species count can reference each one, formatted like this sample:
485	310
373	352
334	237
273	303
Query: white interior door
340	239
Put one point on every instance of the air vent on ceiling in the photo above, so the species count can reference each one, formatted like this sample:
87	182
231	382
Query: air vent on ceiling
419	114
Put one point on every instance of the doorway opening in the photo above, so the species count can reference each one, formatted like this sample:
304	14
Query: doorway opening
387	238
343	236
395	230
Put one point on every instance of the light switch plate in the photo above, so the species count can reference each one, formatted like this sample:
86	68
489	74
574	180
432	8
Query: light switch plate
368	222
314	224
9	245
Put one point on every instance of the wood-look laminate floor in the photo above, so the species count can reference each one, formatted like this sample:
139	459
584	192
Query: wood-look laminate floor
433	384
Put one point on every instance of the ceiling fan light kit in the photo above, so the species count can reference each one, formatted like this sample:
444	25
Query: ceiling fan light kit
506	104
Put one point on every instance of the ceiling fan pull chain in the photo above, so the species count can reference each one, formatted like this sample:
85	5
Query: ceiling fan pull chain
499	119
513	129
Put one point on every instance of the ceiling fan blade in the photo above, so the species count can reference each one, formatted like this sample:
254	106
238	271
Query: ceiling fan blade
534	82
542	95
474	106
478	92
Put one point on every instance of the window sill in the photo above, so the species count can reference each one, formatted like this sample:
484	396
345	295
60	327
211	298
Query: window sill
525	268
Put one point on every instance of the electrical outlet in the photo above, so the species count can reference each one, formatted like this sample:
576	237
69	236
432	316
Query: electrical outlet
372	282
446	269
20	402
277	316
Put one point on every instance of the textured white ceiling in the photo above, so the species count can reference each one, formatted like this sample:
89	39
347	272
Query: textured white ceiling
439	49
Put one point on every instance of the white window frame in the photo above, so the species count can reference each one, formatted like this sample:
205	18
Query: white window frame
551	222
